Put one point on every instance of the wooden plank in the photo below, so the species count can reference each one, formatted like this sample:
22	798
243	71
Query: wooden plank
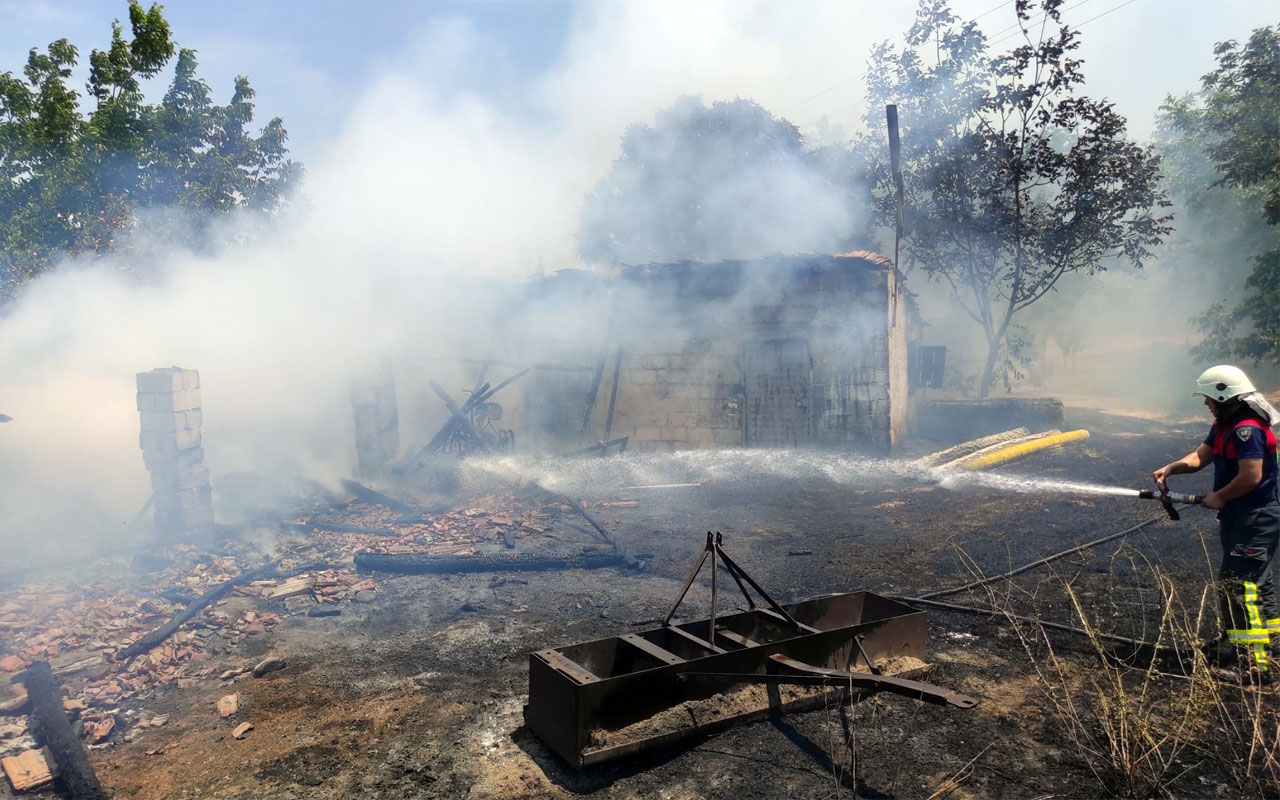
291	587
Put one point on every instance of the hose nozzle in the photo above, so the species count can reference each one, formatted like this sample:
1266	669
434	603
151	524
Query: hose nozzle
1167	499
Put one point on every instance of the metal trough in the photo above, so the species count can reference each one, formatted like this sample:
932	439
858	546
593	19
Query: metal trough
578	692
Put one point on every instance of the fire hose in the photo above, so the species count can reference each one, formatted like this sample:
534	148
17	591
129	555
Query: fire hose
1021	449
1168	498
929	598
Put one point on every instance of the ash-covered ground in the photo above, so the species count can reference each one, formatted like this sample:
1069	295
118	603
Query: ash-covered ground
417	689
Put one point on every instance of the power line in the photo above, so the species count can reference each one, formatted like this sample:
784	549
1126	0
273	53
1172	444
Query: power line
848	81
990	42
824	91
1108	11
1078	25
1016	28
992	10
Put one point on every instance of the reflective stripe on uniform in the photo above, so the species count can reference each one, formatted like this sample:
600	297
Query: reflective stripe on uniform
1257	634
1240	637
1273	626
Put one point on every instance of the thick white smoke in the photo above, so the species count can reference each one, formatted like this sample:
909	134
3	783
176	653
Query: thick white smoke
420	185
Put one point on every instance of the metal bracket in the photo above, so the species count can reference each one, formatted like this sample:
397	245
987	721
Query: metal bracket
798	672
714	549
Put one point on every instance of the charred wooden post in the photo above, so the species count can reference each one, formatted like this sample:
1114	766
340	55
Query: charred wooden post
593	392
376	498
459	416
158	635
54	730
613	394
427	564
453	428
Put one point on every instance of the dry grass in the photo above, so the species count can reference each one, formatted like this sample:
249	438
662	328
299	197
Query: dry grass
1142	724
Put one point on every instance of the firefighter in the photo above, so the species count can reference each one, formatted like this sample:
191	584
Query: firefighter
1242	448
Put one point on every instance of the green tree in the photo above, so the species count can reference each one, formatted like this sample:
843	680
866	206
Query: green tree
729	180
70	183
1011	179
1235	122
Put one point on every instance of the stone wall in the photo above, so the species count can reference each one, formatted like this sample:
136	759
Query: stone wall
171	416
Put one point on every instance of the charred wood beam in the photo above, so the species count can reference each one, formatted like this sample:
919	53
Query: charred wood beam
594	392
50	723
613	395
163	632
334	527
478	396
460	419
522	365
376	498
449	429
422	513
426	563
602	447
502	385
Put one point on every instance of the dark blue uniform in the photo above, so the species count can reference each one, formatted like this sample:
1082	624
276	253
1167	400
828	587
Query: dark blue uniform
1249	528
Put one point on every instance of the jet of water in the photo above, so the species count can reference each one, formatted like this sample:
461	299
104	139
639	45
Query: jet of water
1028	485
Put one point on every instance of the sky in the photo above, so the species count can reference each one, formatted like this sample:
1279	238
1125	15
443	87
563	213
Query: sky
312	60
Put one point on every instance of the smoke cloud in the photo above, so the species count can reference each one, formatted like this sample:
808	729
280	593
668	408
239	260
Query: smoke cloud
423	192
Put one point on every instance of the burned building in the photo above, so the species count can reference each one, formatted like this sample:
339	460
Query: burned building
789	351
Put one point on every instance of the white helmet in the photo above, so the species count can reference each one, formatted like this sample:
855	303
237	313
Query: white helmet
1223	382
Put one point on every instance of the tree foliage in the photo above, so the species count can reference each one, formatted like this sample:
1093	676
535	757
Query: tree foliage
70	182
729	180
1235	123
1011	178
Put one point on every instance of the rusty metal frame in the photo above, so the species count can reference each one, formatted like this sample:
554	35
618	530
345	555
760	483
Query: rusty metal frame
611	684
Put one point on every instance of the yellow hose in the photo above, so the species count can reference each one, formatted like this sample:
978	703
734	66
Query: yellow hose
1019	450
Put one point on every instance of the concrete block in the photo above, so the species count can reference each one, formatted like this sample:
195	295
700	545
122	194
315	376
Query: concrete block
640	376
173	481
649	417
168	441
184	500
173	460
648	433
184	519
726	437
649	361
683	419
160	402
168	379
702	436
170	421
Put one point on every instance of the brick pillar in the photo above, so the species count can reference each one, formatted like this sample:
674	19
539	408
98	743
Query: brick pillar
169	407
373	404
